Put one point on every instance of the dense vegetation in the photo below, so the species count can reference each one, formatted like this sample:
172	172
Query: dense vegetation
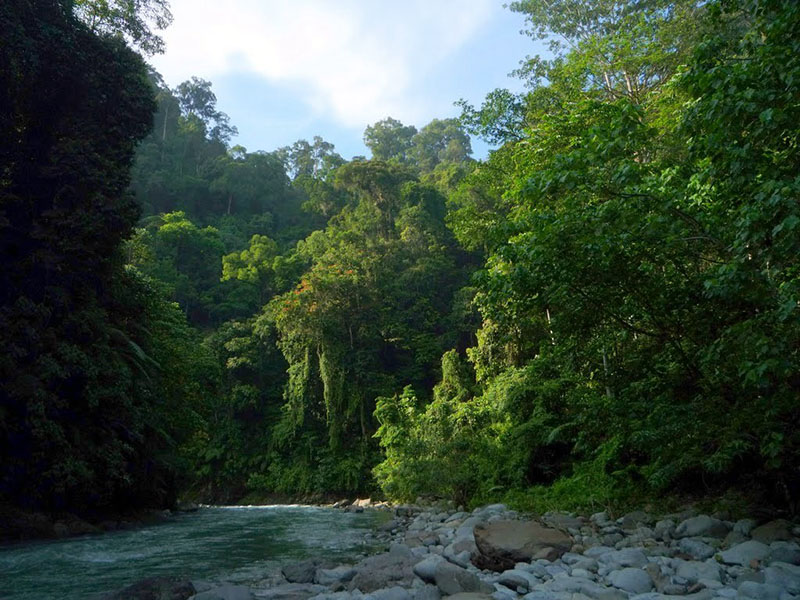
602	311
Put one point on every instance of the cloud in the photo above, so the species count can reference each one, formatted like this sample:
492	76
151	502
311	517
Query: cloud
354	61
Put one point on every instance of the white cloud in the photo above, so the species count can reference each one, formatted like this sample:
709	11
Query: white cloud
356	61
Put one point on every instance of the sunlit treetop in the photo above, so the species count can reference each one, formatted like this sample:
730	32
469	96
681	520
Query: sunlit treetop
136	20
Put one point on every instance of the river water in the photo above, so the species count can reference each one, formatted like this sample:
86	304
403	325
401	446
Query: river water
239	544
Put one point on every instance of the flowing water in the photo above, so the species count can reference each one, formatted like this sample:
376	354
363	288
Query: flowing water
240	544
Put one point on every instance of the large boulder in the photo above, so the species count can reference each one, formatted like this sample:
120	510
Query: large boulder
502	544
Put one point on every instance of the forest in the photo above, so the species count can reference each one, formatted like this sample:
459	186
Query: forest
603	312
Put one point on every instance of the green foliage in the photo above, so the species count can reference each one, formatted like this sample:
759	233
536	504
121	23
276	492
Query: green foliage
100	382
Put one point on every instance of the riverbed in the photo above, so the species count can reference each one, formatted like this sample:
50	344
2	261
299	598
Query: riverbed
237	544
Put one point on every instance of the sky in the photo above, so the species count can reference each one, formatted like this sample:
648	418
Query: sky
288	70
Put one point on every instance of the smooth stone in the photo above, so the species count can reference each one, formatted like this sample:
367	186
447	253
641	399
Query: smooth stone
785	552
291	591
427	592
745	526
503	543
301	572
629	557
632	580
598	551
784	575
634	519
774	531
335	575
452	579
333	596
384	571
701	526
426	569
759	591
226	592
469	596
392	593
745	553
696	549
155	587
515	578
693	571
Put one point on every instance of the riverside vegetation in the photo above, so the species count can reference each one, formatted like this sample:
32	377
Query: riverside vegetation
601	313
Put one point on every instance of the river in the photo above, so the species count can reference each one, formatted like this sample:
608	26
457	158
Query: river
230	543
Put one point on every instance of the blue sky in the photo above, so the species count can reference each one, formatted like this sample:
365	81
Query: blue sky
287	70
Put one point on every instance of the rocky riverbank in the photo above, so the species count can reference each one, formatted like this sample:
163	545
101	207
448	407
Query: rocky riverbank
493	553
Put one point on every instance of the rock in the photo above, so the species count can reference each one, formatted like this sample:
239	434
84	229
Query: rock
635	581
784	575
517	578
225	592
570	587
745	553
152	588
502	544
664	529
291	591
774	531
694	571
421	538
469	596
696	549
333	576
759	591
563	521
427	592
598	551
451	579
392	593
785	552
744	526
383	571
333	596
426	569
301	572
733	538
629	557
701	526
634	519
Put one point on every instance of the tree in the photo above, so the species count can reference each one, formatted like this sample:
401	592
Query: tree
199	103
440	141
390	140
135	20
83	427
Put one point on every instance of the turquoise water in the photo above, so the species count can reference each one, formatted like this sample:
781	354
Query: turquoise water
240	544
